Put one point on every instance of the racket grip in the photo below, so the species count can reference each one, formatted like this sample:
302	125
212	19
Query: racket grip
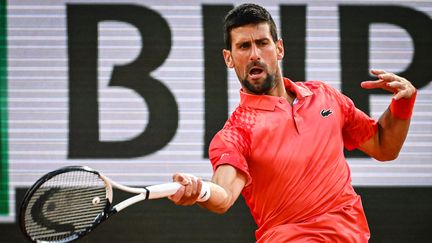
168	189
162	190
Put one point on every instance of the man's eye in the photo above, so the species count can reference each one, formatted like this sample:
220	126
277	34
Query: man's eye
263	43
244	45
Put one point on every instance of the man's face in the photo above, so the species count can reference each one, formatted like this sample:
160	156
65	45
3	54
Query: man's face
254	56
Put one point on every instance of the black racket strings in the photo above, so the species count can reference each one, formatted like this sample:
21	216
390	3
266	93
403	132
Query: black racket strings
65	205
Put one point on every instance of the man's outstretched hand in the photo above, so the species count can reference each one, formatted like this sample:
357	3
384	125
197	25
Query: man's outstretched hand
399	86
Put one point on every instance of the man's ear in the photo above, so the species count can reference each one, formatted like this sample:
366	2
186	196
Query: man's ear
228	58
280	50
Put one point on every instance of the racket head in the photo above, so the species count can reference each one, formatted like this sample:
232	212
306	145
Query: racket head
65	205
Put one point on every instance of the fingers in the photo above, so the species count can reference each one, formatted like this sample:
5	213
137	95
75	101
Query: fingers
377	84
181	178
178	195
402	94
189	192
396	85
399	86
190	187
377	71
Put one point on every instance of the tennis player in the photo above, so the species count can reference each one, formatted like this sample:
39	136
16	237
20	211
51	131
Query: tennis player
282	147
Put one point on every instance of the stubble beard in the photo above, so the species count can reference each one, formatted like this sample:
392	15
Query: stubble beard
264	88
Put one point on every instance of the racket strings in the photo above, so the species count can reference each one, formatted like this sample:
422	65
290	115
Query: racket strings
65	206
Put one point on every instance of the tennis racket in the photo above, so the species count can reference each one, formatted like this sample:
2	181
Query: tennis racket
68	203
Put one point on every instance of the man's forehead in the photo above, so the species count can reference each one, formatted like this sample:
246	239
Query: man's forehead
254	31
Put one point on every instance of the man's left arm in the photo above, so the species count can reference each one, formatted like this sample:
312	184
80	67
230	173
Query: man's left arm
394	123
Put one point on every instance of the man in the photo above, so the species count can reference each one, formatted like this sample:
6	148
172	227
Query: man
282	148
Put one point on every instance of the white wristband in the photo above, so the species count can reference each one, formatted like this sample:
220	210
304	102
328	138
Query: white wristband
205	192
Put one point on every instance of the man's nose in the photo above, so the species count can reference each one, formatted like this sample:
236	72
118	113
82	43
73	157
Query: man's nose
254	55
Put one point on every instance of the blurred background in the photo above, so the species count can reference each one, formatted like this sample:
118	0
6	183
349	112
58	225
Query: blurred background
137	90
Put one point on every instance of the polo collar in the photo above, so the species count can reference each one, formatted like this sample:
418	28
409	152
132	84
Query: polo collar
269	102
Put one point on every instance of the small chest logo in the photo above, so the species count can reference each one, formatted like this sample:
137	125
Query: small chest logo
326	112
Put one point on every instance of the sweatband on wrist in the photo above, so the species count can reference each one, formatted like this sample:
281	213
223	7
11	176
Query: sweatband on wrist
403	108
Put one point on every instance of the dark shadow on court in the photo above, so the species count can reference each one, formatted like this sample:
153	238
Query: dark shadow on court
395	214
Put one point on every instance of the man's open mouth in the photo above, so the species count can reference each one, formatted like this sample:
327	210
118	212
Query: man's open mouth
255	72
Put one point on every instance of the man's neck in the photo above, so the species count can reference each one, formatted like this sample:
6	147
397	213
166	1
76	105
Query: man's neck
280	91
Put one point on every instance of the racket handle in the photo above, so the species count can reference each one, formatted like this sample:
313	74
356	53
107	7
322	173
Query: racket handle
162	190
168	189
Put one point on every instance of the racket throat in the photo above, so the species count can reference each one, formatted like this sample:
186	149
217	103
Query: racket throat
130	201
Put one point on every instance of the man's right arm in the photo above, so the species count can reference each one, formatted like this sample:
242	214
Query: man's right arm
225	187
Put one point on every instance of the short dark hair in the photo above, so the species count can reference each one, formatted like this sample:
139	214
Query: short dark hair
245	14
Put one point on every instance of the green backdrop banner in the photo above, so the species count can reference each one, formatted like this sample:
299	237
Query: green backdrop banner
4	181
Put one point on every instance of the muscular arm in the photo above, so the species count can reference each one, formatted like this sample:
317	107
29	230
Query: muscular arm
387	142
225	187
392	131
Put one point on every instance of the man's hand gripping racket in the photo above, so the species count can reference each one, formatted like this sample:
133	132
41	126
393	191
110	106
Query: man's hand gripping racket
67	203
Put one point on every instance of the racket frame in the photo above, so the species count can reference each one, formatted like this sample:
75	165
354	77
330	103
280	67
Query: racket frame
143	193
102	216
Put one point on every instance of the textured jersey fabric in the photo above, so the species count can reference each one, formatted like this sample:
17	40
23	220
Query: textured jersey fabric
298	181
